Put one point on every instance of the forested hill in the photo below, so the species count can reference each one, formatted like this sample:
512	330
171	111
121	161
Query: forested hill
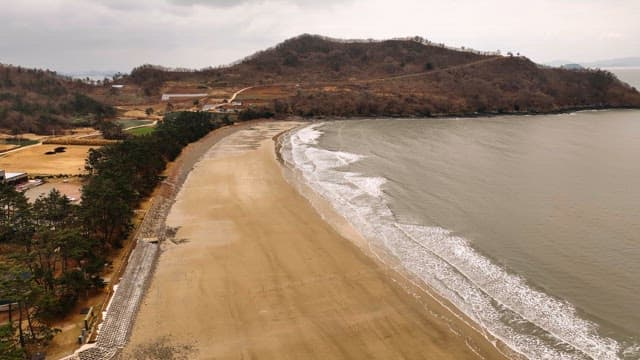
41	101
322	76
316	58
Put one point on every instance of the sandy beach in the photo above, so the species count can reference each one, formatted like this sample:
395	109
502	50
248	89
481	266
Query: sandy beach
254	272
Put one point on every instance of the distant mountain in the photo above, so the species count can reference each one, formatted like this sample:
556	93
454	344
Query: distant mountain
559	63
572	67
94	75
621	62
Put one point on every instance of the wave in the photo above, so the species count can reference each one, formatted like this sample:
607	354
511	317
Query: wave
530	322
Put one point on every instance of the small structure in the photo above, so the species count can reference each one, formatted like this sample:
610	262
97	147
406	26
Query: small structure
116	86
13	178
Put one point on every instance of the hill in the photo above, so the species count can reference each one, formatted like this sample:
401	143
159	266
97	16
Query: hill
41	101
313	75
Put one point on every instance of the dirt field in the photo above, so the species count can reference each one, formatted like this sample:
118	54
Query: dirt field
34	161
69	187
255	273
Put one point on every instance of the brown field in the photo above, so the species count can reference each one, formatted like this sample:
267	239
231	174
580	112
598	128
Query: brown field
267	93
7	147
34	161
138	111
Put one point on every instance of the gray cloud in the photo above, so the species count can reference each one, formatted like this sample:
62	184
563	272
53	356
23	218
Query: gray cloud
71	35
233	3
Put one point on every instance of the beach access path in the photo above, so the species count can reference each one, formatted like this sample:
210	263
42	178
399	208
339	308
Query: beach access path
254	272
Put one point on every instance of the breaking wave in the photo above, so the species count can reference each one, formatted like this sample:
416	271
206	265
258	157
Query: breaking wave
527	320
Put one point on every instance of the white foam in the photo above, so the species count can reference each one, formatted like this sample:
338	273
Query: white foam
529	321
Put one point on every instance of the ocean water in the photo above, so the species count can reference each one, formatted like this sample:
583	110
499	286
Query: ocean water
630	75
529	225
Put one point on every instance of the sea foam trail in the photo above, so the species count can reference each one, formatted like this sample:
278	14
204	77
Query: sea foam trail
530	322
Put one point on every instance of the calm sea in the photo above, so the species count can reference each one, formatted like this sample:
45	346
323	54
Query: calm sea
630	75
530	225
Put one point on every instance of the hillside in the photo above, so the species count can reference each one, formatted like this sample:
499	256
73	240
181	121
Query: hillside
312	75
41	101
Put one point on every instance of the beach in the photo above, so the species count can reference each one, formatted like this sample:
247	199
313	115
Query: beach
254	271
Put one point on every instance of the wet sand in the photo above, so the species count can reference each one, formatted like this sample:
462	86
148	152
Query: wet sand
255	272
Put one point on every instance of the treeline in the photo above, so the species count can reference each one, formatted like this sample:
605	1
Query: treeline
54	251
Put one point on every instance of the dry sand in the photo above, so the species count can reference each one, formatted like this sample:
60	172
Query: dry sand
33	160
255	273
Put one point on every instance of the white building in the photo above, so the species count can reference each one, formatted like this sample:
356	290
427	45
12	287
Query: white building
13	178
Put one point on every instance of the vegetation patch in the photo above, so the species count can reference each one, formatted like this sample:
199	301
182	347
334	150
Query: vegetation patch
127	123
19	141
140	131
44	102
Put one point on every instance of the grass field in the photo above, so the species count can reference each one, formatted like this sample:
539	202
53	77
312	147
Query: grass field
127	123
34	161
141	130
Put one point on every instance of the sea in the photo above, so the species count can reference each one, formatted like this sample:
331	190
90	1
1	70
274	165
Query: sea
630	75
529	225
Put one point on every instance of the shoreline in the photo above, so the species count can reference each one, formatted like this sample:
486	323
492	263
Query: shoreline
255	270
488	115
409	282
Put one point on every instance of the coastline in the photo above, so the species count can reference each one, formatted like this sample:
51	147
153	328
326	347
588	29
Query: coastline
256	270
437	305
474	115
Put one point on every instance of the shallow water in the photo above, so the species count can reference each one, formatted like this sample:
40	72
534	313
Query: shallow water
529	225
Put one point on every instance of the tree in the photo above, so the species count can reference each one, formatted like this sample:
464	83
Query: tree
15	219
111	130
17	286
149	111
106	209
9	347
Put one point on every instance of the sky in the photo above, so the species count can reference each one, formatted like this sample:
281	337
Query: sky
82	35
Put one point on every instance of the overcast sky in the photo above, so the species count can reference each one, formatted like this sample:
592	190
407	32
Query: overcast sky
80	35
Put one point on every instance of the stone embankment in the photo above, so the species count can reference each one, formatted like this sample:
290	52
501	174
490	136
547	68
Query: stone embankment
121	312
